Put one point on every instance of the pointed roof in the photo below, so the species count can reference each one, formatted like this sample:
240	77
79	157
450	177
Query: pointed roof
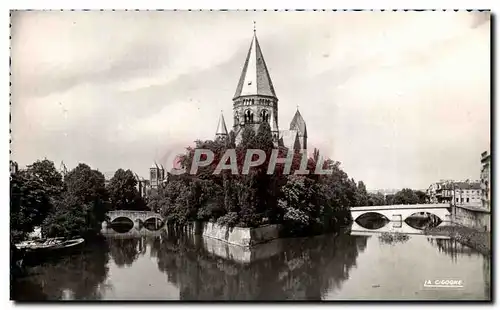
298	124
221	126
255	78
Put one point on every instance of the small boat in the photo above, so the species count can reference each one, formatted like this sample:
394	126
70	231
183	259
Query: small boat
48	245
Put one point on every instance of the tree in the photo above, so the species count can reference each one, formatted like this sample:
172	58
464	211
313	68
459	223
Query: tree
389	200
247	138
406	196
33	192
296	203
361	194
376	199
123	193
45	172
83	206
29	204
86	184
422	196
70	218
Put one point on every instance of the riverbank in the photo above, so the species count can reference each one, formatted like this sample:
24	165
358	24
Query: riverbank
478	240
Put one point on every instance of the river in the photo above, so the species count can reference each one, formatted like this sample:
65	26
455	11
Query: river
358	265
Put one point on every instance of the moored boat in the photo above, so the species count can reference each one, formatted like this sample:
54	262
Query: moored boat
35	250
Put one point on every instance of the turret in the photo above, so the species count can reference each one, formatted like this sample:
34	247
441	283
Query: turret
221	131
299	125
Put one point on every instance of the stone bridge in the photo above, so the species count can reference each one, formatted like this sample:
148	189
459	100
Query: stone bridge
137	217
401	212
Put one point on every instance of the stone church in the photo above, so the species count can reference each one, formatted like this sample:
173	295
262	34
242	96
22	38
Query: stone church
255	102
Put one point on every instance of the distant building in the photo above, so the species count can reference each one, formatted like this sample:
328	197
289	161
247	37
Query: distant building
142	185
456	192
384	192
485	180
14	167
156	176
62	169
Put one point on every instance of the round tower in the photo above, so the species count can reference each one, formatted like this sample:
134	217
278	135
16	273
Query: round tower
255	100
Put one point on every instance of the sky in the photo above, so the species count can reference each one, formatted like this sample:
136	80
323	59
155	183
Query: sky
400	99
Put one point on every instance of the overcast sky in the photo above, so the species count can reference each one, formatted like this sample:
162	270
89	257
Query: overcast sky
401	99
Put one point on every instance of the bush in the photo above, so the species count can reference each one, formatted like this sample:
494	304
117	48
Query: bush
231	219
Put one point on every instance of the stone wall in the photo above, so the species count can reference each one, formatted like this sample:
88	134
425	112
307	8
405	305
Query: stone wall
242	254
480	220
245	237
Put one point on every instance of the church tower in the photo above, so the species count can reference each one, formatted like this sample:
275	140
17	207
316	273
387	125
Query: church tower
299	125
255	101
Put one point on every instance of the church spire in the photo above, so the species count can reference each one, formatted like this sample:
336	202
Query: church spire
299	124
221	127
255	78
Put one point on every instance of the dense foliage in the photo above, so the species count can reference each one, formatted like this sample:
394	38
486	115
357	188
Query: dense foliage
304	203
123	193
75	206
33	193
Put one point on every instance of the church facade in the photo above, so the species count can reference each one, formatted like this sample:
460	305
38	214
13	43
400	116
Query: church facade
255	102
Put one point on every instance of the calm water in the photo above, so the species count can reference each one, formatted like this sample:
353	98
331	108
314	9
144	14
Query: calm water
160	265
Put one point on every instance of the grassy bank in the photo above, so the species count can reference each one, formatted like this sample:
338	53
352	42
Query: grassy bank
478	240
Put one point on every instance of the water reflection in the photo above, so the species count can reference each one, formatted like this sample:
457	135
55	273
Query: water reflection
452	248
372	221
393	238
78	276
412	225
125	251
305	270
164	264
423	220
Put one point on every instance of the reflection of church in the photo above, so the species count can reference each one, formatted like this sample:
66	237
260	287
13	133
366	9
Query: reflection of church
255	102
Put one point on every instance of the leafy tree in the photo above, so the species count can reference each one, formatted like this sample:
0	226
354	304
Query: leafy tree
247	138
70	218
389	200
29	204
361	194
154	202
296	202
46	173
83	207
86	184
123	193
406	196
377	199
422	196
33	192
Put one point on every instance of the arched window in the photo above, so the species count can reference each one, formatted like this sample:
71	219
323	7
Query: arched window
264	116
236	118
248	116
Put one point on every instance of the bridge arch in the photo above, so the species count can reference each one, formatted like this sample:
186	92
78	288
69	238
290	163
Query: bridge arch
402	212
122	219
358	215
137	217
